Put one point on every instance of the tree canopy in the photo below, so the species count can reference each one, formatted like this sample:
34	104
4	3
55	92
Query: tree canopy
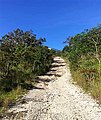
22	57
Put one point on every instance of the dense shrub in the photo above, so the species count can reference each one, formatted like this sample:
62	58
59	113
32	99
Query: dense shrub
22	57
84	54
84	50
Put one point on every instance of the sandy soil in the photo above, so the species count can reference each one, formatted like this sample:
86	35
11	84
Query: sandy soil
55	98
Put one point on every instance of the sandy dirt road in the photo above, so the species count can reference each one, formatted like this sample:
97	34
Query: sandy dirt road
55	98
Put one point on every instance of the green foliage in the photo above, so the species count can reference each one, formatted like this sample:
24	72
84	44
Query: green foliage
84	54
22	57
9	98
55	52
85	46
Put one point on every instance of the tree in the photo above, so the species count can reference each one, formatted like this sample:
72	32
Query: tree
84	50
22	57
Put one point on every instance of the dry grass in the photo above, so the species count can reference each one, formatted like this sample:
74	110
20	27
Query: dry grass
92	87
7	99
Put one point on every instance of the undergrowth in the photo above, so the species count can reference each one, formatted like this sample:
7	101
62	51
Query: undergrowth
84	54
93	87
23	57
7	99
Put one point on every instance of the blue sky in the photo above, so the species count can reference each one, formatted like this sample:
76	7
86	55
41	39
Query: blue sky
53	19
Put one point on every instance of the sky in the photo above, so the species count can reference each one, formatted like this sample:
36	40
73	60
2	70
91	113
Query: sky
53	19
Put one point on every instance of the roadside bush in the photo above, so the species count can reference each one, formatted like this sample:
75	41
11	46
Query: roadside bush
22	57
84	54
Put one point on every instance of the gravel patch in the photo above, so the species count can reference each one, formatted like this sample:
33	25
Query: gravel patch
58	99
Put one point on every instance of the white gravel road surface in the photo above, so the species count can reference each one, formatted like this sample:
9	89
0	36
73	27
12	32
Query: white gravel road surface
56	98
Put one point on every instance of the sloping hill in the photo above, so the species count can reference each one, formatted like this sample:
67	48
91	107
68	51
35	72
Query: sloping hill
55	98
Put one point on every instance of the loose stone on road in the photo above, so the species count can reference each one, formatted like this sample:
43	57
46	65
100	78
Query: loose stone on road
56	98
